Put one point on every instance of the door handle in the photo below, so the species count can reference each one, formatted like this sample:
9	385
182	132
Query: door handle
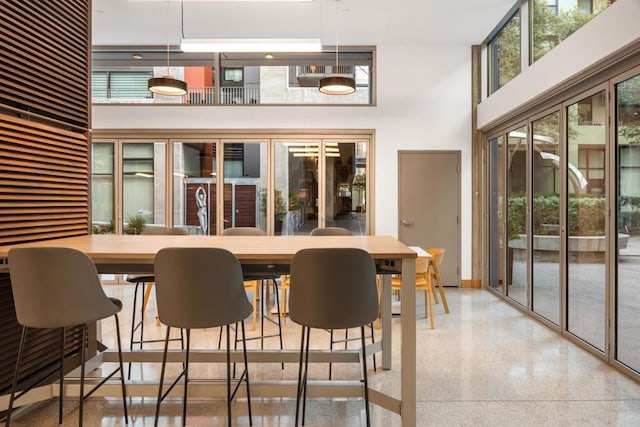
407	223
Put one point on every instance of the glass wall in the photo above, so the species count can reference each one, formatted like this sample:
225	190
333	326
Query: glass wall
346	185
245	184
194	186
546	182
496	226
281	186
517	214
586	209
143	185
296	204
102	188
628	222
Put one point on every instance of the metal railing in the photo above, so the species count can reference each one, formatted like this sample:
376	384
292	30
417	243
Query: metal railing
239	95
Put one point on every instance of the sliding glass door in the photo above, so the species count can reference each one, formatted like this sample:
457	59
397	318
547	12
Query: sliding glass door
627	296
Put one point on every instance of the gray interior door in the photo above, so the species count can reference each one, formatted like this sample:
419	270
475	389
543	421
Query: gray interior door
429	205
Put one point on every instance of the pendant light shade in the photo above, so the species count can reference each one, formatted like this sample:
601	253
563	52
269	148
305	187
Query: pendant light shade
167	85
337	85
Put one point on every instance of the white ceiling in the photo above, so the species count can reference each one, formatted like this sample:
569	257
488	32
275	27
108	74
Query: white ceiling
361	22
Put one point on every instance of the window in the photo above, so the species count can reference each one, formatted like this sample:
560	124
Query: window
505	53
120	84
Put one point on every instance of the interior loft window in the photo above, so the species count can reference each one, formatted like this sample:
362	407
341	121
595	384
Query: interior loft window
553	21
245	78
504	53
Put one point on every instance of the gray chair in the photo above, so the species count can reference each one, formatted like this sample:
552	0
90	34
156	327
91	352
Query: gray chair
254	231
200	288
143	284
339	231
331	289
60	288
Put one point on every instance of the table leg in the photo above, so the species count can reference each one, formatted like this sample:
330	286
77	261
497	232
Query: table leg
386	321
408	346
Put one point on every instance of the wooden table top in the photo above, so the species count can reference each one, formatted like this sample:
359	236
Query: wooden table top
269	248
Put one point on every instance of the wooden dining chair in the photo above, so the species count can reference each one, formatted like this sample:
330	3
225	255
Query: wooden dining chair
423	283
437	254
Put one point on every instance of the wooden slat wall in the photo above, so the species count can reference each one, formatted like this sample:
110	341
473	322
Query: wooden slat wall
44	151
44	187
44	61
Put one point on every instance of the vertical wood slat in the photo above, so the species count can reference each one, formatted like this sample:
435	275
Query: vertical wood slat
44	154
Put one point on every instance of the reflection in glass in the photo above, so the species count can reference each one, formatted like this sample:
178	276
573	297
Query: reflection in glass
143	186
546	217
517	205
505	53
628	222
194	187
295	197
245	184
553	22
586	207
496	214
102	158
345	177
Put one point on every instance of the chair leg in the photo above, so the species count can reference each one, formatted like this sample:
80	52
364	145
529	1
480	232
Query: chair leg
186	379
373	341
300	365
162	369
61	379
330	349
133	323
428	293
366	382
444	297
246	372
124	388
229	376
306	375
275	291
16	372
83	355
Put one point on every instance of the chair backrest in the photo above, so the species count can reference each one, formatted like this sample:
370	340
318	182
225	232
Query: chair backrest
56	287
333	288
243	231
436	255
199	288
330	231
164	231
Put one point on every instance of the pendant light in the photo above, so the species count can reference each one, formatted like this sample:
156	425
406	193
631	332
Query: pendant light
167	85
337	84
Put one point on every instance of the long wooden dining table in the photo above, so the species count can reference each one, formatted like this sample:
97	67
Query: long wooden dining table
273	255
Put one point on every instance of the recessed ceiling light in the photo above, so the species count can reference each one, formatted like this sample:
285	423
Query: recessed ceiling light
268	56
137	56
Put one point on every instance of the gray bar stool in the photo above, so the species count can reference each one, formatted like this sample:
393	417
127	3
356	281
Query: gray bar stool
332	289
199	288
339	231
60	288
143	284
254	231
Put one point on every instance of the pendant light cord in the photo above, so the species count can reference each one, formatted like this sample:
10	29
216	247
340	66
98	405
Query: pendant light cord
336	70
168	38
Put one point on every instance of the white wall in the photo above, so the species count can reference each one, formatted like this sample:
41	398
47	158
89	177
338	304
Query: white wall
423	104
610	31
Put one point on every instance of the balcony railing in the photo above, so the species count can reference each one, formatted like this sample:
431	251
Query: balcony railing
196	95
